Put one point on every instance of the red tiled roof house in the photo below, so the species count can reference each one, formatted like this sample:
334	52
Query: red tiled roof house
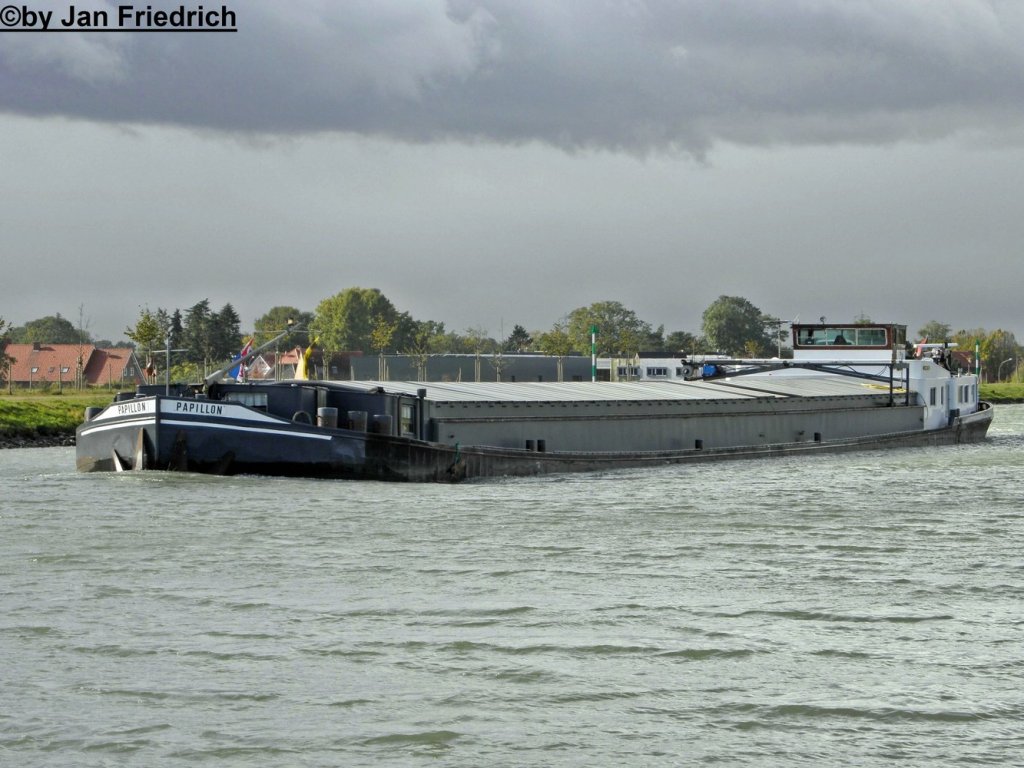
41	364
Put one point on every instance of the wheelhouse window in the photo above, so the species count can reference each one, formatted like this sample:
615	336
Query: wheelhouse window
865	336
657	372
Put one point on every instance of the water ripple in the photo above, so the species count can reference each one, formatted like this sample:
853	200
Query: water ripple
847	610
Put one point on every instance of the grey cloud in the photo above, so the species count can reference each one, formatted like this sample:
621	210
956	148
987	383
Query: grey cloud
628	75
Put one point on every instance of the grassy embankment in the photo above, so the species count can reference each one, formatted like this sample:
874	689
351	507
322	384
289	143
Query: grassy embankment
27	414
1003	393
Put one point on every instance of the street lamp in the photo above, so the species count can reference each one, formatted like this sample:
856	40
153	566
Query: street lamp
999	371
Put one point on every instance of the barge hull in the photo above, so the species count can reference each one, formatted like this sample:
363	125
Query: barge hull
282	448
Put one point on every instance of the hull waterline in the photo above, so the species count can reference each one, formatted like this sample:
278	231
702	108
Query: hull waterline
282	448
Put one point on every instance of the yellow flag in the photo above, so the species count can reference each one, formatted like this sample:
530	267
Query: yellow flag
302	368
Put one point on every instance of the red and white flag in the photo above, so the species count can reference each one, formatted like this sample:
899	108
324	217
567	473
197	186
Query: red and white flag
241	355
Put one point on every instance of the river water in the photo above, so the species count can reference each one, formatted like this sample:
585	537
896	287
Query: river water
861	609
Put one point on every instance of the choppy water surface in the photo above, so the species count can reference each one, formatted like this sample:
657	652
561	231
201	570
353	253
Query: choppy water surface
864	609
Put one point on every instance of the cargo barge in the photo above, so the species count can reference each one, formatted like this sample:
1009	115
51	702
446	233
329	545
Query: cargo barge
846	388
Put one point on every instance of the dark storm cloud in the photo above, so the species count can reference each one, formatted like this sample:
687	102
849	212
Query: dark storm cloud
622	74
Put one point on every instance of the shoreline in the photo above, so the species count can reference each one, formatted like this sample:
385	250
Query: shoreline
59	440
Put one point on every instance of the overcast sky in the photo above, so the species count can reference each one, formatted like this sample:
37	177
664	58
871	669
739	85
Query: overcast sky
492	162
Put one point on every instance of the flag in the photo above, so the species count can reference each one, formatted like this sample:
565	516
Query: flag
302	368
919	349
238	372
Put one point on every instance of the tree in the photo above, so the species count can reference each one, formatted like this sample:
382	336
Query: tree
428	338
433	330
52	329
346	320
210	336
148	336
995	348
683	343
969	340
619	330
6	361
1001	347
773	327
450	342
518	341
499	362
557	342
655	341
276	319
419	352
934	331
83	325
196	333
734	326
380	338
479	342
406	329
226	330
146	333
173	327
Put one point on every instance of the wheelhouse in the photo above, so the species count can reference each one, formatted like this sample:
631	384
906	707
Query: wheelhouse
870	341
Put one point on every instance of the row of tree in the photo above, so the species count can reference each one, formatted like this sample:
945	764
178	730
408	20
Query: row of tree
200	337
365	320
55	329
998	350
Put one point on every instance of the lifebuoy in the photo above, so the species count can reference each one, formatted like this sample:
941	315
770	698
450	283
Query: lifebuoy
302	417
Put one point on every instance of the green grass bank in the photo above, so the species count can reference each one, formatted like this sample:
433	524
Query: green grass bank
38	418
1003	393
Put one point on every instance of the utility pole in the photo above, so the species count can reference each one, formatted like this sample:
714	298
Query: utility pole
593	353
167	367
